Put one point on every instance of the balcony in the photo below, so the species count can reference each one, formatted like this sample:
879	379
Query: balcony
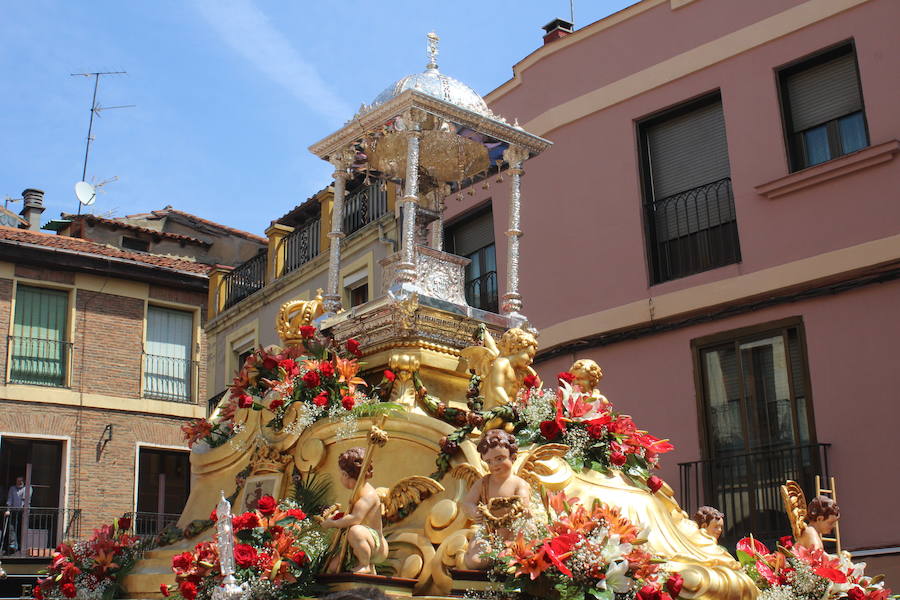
35	361
692	231
746	487
301	246
364	206
481	292
168	378
245	279
147	525
34	531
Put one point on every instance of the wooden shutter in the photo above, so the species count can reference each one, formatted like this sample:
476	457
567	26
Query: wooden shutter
823	92
473	234
685	153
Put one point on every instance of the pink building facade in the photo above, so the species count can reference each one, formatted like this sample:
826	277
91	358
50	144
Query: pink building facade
718	226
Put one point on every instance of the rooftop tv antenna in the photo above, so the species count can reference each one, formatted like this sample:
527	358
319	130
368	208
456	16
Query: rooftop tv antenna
96	109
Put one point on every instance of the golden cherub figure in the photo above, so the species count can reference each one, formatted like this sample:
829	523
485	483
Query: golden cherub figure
502	368
587	376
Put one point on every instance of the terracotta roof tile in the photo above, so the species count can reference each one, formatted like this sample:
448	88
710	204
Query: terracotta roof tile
232	230
60	242
138	228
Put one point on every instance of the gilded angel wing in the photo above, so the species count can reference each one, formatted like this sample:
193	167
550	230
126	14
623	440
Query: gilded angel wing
403	498
468	473
479	359
794	506
531	467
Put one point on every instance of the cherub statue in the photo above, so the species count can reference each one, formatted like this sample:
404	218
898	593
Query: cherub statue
503	368
822	515
710	520
587	376
498	497
363	522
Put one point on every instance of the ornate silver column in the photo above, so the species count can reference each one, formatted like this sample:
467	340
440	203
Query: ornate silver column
412	122
437	226
341	161
512	299
229	590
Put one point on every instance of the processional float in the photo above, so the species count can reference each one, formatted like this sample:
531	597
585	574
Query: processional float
435	137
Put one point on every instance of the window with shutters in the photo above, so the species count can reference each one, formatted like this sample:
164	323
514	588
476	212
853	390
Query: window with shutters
167	355
689	213
39	351
473	238
822	107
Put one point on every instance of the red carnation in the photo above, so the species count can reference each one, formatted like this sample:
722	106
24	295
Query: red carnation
269	363
856	593
68	590
164	590
654	483
649	592
300	558
307	331
244	555
266	505
213	516
297	514
326	369
248	520
245	401
786	541
321	399
276	404
389	375
618	459
551	430
348	402
311	379
183	561
353	347
674	584
38	593
596	428
290	367
531	381
188	589
124	523
565	376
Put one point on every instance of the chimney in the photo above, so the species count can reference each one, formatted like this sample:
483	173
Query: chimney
556	29
34	205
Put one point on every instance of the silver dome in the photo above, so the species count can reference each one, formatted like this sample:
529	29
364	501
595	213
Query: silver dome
440	86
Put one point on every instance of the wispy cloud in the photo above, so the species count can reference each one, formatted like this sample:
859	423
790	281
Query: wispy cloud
249	32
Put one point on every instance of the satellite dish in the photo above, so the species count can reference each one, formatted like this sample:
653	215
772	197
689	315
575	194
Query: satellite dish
85	193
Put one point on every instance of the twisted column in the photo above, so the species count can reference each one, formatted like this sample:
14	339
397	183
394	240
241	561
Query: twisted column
331	302
512	299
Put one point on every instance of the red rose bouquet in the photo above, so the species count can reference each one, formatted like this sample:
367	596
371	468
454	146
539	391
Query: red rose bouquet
93	568
277	551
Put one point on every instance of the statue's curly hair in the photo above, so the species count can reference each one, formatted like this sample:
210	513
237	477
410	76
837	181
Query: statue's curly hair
515	340
351	462
498	438
706	515
822	507
593	370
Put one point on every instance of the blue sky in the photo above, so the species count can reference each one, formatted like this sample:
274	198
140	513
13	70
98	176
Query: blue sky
229	93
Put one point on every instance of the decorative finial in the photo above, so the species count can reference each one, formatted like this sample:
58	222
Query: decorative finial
433	40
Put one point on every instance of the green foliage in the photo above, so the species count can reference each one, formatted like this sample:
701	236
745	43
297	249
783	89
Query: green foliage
313	492
375	409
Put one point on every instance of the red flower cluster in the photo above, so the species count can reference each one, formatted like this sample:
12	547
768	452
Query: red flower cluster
353	347
311	379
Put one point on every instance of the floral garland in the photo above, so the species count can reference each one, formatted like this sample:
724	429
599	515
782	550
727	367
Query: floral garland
318	378
278	552
92	569
794	572
575	552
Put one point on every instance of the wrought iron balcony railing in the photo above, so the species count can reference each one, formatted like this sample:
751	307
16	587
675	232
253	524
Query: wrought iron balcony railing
36	361
168	378
245	279
301	245
147	525
481	292
692	231
35	531
746	487
363	207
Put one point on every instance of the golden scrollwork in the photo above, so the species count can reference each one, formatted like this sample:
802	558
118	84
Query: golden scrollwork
407	493
267	459
296	314
404	367
795	506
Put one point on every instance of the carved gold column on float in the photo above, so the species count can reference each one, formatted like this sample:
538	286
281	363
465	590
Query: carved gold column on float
411	120
341	162
512	299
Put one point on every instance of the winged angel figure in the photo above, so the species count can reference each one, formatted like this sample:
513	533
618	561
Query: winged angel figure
504	368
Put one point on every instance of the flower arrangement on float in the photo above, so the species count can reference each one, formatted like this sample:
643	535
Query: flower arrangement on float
794	572
300	385
278	551
91	569
575	552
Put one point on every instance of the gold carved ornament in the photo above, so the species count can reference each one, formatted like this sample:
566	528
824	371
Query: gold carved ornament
295	314
407	493
794	506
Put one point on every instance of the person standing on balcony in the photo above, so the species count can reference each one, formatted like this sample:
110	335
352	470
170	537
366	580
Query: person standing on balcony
16	498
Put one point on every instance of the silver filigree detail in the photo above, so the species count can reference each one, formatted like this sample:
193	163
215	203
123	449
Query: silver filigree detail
515	156
342	161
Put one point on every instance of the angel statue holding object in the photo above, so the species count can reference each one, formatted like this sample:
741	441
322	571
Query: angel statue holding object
504	367
498	497
363	522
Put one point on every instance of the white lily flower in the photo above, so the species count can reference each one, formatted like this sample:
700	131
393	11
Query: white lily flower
616	577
